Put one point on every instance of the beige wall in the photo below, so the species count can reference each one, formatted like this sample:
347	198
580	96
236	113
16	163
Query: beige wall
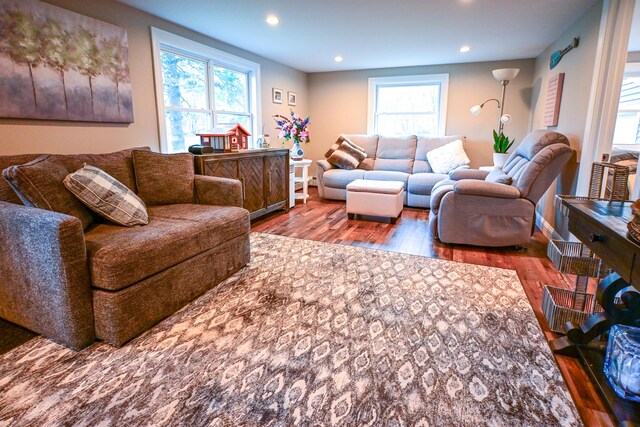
21	136
340	101
578	66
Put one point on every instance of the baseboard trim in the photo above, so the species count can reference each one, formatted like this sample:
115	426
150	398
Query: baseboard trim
546	228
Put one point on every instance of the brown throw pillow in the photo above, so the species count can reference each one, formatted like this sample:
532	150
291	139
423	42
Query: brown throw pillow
39	184
164	179
499	177
107	196
336	145
346	156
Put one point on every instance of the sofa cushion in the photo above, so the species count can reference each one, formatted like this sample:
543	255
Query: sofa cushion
422	183
164	179
119	165
107	196
396	153
339	178
174	234
368	142
498	177
39	184
387	176
339	142
448	157
346	156
426	144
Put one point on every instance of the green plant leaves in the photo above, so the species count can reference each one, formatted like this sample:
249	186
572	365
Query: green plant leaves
501	143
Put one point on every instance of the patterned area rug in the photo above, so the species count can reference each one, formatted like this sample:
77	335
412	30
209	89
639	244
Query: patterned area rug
311	334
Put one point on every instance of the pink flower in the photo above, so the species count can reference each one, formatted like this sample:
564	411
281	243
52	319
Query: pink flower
294	131
282	134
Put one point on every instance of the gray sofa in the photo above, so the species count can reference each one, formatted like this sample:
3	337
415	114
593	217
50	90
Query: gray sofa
388	159
469	210
112	282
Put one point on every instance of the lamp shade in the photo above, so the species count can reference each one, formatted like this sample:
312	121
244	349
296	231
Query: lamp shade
475	110
505	73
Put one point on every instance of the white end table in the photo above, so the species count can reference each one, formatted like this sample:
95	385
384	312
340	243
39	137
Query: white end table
304	179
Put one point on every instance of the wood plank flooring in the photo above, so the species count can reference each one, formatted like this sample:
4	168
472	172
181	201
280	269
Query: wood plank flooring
326	221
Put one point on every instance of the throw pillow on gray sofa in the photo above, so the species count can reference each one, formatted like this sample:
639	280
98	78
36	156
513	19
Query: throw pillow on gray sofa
339	141
347	156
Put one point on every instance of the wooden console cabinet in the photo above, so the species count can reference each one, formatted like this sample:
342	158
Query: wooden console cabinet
264	175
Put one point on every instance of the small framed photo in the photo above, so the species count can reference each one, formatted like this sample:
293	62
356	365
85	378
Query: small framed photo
291	98
277	96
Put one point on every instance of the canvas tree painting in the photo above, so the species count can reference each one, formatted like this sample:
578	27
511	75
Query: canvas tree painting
60	65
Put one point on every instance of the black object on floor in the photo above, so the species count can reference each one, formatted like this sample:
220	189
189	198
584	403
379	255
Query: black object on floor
11	336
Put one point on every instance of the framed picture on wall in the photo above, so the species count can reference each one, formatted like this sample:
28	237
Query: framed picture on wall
277	96
291	98
79	71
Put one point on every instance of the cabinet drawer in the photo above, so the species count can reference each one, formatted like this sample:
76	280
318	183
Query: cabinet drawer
605	244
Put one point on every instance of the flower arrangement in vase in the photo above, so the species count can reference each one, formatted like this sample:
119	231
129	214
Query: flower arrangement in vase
294	128
501	145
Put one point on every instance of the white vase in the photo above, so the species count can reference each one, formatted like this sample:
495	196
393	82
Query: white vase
499	159
296	151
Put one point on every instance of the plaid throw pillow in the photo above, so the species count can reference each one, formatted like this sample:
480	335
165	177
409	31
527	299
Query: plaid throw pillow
107	196
346	156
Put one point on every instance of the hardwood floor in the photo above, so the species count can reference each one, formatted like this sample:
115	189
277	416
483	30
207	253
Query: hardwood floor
326	221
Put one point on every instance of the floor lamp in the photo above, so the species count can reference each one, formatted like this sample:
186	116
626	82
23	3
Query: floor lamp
503	75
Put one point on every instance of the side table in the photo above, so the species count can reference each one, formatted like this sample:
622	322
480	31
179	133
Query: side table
303	178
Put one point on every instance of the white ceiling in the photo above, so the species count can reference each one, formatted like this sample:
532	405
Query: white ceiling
376	33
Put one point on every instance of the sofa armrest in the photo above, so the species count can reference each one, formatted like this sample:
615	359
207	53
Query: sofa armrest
45	278
459	174
211	190
475	187
325	165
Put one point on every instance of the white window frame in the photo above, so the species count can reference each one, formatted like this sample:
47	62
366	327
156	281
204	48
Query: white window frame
631	69
163	40
424	79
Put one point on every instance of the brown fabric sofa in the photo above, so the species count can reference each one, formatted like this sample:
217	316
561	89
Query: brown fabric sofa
466	209
111	282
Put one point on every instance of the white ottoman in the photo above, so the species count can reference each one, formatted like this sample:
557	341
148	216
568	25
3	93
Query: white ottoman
375	198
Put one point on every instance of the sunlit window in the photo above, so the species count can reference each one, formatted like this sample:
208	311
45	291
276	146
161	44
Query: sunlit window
202	88
408	105
627	130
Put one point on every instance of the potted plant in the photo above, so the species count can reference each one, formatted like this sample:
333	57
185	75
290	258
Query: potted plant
501	145
294	128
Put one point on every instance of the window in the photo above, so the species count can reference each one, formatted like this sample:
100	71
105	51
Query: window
408	105
627	131
199	88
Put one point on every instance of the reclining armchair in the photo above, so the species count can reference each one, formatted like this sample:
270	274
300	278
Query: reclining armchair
466	209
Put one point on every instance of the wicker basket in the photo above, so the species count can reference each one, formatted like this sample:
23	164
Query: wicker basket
558	306
575	258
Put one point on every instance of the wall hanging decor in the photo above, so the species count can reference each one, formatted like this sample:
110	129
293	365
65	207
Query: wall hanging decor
554	96
292	98
276	96
60	65
558	54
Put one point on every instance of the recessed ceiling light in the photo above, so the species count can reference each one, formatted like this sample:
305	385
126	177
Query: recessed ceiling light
465	49
272	20
338	58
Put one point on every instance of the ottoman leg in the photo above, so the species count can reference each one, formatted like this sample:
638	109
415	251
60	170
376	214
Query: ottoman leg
394	220
351	216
